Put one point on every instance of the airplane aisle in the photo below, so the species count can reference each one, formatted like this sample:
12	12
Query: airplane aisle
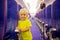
35	31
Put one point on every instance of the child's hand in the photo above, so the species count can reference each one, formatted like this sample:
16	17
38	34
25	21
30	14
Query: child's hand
26	29
20	29
17	28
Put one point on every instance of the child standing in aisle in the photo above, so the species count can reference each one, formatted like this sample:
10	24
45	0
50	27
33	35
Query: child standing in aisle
24	25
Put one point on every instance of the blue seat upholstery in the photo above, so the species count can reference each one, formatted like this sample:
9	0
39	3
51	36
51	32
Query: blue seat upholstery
11	20
56	14
56	18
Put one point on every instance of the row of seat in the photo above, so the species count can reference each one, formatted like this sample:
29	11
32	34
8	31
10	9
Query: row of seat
49	17
11	20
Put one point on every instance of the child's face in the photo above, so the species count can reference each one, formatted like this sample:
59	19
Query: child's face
23	15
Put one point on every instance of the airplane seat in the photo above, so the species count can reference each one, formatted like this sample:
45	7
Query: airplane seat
56	34
56	8
10	36
56	16
43	23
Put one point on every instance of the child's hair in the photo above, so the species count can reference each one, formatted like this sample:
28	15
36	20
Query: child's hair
23	10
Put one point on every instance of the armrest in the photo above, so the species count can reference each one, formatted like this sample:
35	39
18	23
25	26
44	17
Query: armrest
45	29
45	25
52	29
50	33
17	31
